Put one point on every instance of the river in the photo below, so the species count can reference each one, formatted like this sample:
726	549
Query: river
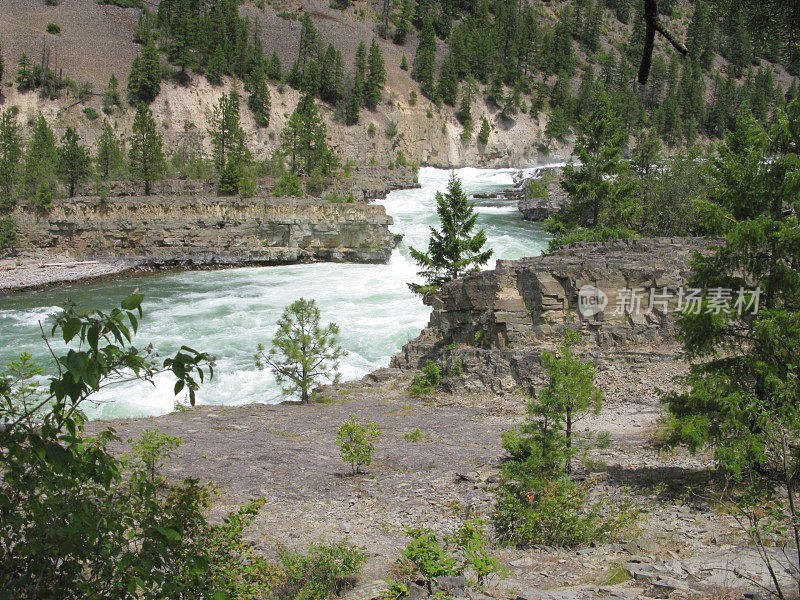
228	312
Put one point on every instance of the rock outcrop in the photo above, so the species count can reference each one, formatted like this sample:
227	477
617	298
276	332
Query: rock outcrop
494	325
541	204
201	230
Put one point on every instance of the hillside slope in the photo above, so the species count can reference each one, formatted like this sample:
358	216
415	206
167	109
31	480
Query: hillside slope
96	41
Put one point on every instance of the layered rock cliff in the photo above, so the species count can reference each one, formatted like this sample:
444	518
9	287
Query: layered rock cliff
201	230
494	325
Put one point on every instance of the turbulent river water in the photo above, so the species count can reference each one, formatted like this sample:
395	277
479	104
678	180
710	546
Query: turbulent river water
228	312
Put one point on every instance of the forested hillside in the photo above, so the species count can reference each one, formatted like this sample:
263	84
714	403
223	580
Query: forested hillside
442	81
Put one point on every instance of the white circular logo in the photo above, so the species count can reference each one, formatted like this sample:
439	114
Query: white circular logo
591	300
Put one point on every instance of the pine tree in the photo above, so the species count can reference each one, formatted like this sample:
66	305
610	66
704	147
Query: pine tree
376	77
586	92
424	58
602	204
74	163
274	67
304	140
40	159
309	45
464	114
455	250
146	154
403	23
10	154
216	66
447	87
182	33
228	142
700	36
24	78
742	383
353	107
111	97
331	75
109	152
483	134
259	100
404	63
144	80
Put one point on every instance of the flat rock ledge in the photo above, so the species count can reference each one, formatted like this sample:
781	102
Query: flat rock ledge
84	238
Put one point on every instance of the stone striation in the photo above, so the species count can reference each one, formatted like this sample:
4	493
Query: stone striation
365	182
495	324
197	231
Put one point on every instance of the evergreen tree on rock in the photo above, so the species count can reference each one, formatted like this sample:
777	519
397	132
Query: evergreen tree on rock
455	250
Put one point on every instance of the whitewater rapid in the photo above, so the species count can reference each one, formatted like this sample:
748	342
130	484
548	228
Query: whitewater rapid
228	312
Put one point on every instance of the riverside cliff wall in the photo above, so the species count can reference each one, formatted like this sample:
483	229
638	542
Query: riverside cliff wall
202	230
495	324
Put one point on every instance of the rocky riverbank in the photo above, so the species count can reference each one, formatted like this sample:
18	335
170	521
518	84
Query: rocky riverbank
495	324
682	544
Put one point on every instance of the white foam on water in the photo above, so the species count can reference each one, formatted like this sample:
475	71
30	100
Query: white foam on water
228	312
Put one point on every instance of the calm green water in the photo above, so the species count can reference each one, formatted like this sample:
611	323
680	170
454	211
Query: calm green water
228	312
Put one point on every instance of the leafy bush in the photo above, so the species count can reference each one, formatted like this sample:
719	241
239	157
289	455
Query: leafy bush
316	182
125	539
428	556
323	572
43	197
463	552
53	29
90	113
8	234
355	443
426	382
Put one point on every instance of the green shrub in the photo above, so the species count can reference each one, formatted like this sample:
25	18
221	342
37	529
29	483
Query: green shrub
316	182
288	185
555	513
428	555
90	113
323	572
355	442
415	435
43	197
457	368
247	186
426	382
461	552
391	130
8	234
150	452
53	29
412	98
371	130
